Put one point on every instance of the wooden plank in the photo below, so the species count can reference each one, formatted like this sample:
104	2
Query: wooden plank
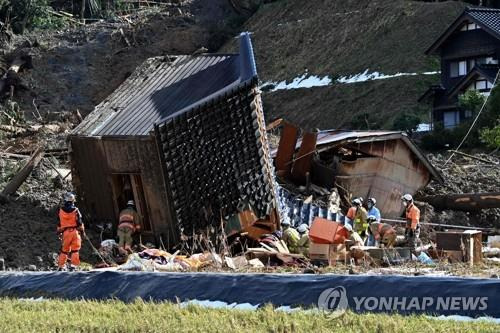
25	171
286	149
303	161
13	156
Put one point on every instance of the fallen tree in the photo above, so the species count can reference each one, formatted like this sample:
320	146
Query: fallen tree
25	171
464	202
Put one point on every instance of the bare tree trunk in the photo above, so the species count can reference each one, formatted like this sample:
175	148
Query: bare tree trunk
465	202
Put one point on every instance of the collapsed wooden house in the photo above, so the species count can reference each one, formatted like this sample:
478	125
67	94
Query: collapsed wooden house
379	164
183	136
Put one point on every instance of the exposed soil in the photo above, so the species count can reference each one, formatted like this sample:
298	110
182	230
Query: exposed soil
78	67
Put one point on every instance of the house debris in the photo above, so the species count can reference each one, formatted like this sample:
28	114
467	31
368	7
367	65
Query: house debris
380	164
184	137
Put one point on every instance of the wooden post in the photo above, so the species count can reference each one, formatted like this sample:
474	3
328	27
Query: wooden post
82	11
21	176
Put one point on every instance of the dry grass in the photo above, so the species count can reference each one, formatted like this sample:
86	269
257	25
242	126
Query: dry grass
139	316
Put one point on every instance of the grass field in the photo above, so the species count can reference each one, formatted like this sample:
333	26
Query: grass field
139	316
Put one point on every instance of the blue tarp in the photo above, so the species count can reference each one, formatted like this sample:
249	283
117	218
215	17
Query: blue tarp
403	294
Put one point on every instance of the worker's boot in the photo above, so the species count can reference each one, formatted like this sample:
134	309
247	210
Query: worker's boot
72	268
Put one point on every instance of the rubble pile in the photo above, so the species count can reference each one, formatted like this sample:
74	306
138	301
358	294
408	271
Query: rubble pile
477	174
28	218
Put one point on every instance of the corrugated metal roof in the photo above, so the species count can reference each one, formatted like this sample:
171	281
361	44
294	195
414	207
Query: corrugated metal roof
163	86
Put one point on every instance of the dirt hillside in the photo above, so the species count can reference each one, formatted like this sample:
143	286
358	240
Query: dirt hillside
342	39
78	67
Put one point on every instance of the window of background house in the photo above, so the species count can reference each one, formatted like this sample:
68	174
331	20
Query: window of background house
451	119
458	68
469	26
481	84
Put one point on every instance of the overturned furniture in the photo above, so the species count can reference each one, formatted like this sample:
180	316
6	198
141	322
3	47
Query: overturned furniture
184	136
380	164
460	246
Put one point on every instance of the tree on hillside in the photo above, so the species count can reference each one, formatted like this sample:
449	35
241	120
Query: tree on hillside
406	121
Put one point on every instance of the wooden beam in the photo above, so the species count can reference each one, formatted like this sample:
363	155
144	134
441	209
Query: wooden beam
473	157
25	171
13	156
464	202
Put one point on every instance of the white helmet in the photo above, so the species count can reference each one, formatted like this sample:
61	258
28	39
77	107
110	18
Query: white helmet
285	223
69	197
373	201
130	203
348	227
356	202
302	228
407	197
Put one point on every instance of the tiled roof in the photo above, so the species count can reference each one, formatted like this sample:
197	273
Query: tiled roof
487	17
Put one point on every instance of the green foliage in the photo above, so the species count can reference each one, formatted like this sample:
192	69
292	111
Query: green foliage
406	121
471	100
484	131
28	14
441	138
491	136
11	113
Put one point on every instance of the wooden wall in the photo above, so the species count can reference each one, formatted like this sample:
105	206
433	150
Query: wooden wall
95	160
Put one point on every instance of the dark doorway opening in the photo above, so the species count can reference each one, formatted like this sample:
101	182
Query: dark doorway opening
129	187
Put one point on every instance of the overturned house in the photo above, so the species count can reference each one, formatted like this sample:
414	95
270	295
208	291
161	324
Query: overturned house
379	164
183	136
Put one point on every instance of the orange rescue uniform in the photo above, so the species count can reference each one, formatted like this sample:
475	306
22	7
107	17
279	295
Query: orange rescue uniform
70	227
412	217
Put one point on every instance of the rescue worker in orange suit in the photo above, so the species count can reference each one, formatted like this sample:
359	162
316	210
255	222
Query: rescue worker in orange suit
383	233
412	214
128	225
69	229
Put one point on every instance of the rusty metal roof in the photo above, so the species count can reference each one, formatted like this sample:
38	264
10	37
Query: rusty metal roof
164	86
330	138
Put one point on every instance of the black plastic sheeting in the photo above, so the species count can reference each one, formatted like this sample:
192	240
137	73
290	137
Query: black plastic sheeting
481	296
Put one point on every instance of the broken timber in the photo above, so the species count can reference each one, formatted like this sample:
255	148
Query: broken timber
465	202
25	171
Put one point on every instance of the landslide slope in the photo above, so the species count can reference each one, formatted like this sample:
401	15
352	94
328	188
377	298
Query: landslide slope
342	39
